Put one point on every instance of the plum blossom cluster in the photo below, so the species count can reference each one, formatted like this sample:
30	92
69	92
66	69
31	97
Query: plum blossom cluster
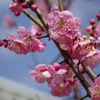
19	5
58	76
64	29
25	42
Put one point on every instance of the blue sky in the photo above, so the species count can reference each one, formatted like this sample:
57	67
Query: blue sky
17	67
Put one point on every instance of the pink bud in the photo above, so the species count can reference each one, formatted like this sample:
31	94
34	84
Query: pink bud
98	16
25	5
92	21
34	7
39	32
1	42
16	13
6	44
19	1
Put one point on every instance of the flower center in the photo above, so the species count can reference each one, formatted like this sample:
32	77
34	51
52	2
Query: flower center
62	23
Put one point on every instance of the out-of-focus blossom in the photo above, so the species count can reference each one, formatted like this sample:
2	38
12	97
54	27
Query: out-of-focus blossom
43	7
9	22
16	8
95	89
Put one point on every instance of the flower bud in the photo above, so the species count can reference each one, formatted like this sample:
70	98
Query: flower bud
1	42
98	16
92	21
34	7
25	5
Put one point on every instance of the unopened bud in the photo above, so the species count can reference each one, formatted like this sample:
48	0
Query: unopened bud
17	13
92	21
34	7
1	42
25	5
98	16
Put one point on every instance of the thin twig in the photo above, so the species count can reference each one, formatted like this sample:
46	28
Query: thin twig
60	5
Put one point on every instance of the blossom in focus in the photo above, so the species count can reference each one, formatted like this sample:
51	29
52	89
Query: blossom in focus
62	23
92	58
61	87
42	73
16	45
58	76
26	41
63	71
63	82
95	89
29	37
81	49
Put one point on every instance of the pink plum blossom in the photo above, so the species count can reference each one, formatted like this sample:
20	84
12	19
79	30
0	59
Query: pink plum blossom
42	73
9	22
29	37
81	49
16	8
68	73
16	45
92	58
95	89
26	41
63	23
62	82
61	87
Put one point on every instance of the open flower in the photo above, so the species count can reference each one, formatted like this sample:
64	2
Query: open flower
92	58
61	87
26	41
42	73
29	37
16	45
96	89
63	23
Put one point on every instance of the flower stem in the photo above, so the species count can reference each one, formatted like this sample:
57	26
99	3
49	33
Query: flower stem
60	5
33	19
84	97
39	37
77	93
90	72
